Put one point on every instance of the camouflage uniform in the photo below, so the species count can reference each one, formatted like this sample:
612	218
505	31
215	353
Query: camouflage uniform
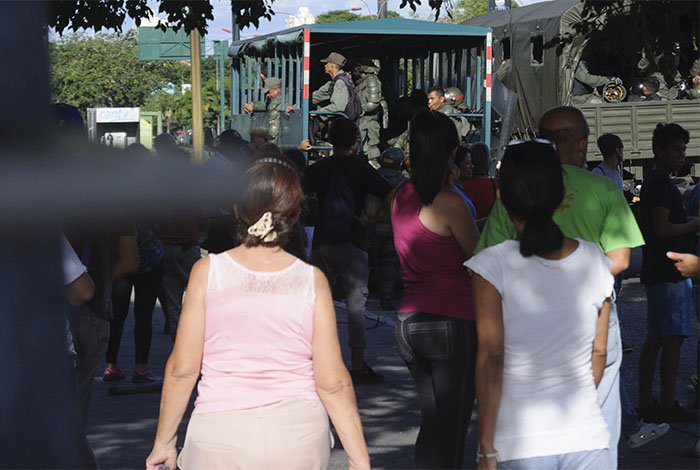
460	122
585	84
273	107
694	93
369	89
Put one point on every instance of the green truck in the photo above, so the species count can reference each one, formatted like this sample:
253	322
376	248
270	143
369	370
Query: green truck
542	77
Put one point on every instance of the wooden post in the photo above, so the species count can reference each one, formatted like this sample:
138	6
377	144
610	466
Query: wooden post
197	130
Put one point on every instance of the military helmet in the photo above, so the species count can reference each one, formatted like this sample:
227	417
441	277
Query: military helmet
366	65
392	158
454	96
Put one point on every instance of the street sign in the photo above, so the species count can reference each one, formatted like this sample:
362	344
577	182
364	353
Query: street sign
155	44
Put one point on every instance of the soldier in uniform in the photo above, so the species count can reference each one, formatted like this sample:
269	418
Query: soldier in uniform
585	84
694	92
337	91
437	102
272	105
369	89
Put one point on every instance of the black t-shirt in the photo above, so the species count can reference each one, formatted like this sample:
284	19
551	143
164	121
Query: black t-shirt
659	191
97	248
362	179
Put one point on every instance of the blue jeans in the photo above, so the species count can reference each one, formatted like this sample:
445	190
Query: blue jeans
440	353
347	264
586	460
177	264
609	387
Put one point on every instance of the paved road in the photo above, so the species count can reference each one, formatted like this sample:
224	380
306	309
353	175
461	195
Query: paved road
122	427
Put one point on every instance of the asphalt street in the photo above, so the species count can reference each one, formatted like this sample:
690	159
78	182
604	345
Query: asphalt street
122	428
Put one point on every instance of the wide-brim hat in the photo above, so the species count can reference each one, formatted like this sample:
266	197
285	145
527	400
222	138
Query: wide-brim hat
335	58
271	82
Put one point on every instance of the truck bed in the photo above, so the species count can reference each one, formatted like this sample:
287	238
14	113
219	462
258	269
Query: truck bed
634	123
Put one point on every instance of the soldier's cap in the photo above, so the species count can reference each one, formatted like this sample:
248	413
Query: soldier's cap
271	82
335	58
392	158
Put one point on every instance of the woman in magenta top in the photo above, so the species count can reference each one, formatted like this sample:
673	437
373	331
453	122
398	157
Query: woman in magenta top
434	234
258	325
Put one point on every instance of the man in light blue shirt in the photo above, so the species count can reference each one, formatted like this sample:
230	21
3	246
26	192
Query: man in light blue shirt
611	147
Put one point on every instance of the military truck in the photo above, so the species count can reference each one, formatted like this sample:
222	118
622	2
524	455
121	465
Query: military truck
543	77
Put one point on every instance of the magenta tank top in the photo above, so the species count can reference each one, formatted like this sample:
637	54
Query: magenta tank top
435	280
258	331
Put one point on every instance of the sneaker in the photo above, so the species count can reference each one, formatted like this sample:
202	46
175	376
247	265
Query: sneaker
676	414
112	374
647	433
145	377
366	376
650	414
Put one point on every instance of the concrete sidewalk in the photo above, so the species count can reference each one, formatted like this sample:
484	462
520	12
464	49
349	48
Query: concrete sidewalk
122	427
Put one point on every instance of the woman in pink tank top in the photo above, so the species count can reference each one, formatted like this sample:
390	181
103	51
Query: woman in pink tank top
434	234
258	325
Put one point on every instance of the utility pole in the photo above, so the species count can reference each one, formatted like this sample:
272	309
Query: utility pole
382	8
235	37
197	127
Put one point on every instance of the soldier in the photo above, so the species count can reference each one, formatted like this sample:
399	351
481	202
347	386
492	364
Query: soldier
650	69
437	102
272	105
694	92
369	90
585	84
339	90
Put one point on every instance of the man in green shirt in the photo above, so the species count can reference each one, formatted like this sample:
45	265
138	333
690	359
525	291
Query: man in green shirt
594	210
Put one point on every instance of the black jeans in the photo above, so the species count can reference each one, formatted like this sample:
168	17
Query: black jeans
440	353
146	288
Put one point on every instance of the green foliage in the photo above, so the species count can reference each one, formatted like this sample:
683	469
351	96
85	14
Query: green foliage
464	10
110	14
104	70
338	16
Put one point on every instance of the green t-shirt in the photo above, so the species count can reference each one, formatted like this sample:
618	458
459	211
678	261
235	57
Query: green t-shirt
593	209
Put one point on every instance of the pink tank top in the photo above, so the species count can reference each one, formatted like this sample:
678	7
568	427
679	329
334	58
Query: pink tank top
257	336
435	280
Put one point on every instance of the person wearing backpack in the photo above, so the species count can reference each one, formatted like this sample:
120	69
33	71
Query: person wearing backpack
339	91
341	183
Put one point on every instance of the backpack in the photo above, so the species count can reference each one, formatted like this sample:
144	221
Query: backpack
353	110
338	211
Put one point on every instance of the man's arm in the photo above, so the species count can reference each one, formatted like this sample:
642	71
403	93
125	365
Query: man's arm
322	94
81	290
584	76
686	264
664	228
339	99
127	261
498	228
620	260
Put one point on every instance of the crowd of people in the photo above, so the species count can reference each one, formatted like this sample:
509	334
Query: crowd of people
508	282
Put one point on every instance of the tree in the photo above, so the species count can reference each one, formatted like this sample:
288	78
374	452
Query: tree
189	14
104	70
467	9
110	14
337	16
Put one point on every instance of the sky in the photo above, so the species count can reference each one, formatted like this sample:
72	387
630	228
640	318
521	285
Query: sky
282	8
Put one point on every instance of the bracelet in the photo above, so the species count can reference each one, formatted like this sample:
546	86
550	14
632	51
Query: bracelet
480	456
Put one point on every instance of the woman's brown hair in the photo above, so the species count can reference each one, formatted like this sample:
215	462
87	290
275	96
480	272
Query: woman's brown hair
270	186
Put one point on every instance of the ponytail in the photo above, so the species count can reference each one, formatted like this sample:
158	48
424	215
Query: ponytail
540	235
